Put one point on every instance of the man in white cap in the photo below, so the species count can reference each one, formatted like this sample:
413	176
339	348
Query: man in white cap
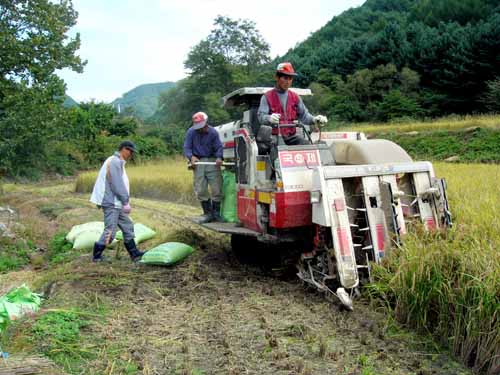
202	144
282	106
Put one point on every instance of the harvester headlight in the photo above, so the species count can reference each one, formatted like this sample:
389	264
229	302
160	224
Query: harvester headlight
315	196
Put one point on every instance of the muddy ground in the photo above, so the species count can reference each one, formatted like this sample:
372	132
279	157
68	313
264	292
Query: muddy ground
207	315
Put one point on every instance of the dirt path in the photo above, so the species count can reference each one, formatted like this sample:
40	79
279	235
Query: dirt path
210	314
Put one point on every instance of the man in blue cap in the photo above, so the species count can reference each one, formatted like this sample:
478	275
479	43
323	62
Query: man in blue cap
111	193
202	144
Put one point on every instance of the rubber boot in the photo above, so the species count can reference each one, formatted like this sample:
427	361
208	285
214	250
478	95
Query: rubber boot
216	212
134	253
207	216
98	250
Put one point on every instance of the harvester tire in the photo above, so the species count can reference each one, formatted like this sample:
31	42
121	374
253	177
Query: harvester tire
244	247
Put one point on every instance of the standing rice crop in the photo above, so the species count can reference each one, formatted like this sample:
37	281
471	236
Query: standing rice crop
168	179
448	284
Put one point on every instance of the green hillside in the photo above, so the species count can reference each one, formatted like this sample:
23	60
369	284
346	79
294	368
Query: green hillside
468	139
142	101
69	102
411	58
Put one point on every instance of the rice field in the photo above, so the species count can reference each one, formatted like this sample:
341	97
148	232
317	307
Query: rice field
167	179
451	123
447	285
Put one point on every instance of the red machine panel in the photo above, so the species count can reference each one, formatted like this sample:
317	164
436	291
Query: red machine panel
247	209
291	209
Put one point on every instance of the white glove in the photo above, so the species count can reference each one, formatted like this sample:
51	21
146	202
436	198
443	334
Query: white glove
275	118
320	120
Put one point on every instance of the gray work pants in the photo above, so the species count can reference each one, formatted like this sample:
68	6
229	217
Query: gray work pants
115	218
205	175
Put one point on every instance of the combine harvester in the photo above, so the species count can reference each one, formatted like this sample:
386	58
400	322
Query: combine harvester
332	206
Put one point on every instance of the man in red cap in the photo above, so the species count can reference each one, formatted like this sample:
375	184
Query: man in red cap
202	144
282	106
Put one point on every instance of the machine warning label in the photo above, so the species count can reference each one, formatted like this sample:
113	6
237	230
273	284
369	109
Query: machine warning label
303	158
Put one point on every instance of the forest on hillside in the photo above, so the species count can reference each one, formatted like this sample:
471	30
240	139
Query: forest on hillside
417	58
384	60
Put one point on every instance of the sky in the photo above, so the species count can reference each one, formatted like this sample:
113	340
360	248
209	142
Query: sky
131	42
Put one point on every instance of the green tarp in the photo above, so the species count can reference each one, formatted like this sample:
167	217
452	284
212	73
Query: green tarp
229	211
167	253
16	303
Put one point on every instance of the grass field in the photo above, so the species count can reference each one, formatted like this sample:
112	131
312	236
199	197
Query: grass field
451	123
466	139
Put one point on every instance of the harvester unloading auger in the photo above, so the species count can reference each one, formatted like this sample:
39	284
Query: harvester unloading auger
332	206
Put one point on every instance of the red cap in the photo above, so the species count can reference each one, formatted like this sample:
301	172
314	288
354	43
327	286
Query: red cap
199	120
286	68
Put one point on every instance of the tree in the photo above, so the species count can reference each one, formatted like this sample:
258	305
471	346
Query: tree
232	43
368	94
492	96
33	45
232	46
209	66
388	46
123	125
486	47
432	12
30	116
233	55
92	119
396	105
390	5
34	41
239	42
